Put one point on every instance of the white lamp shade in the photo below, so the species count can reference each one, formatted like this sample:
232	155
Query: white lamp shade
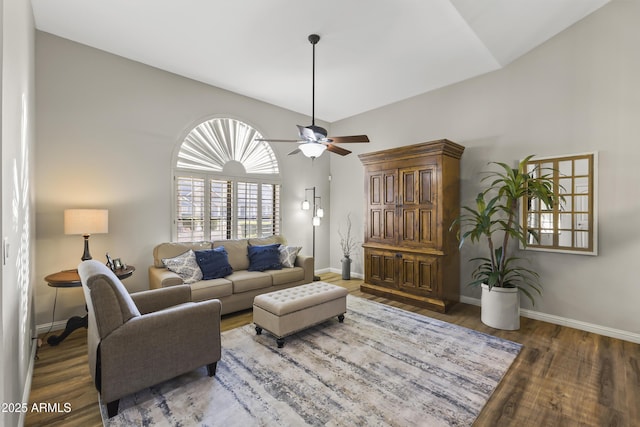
86	221
312	149
305	205
315	221
320	212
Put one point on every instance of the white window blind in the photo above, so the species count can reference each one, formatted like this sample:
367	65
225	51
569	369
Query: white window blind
270	197
190	208
221	217
247	208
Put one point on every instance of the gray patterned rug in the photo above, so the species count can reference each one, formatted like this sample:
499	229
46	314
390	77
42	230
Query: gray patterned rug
382	366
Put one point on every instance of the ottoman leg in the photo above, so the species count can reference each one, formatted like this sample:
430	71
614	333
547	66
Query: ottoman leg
258	330
280	342
341	318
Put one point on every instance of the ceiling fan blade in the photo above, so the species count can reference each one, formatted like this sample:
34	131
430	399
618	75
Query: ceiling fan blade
279	140
352	138
338	150
296	151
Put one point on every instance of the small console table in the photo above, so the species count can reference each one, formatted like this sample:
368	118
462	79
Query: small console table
71	279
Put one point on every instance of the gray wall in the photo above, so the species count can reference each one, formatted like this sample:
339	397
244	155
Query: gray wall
108	129
18	137
578	92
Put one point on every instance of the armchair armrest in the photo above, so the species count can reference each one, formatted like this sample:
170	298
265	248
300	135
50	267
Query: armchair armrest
155	347
159	299
162	277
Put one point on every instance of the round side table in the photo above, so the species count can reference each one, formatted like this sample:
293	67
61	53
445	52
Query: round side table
71	279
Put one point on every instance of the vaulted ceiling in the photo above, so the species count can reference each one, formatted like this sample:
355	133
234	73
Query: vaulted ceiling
371	53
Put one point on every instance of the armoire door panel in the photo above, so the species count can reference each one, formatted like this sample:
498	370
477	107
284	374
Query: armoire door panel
380	268
427	227
418	274
407	273
427	187
390	225
377	268
427	270
375	224
375	190
408	225
390	195
408	187
381	206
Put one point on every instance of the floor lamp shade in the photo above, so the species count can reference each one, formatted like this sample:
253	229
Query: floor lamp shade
86	222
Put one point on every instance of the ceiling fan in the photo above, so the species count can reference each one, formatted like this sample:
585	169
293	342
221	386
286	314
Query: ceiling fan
312	139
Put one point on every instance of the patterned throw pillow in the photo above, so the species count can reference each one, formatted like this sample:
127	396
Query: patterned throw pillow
214	263
288	255
185	266
265	257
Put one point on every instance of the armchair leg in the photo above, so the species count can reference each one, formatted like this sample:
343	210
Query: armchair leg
211	368
112	408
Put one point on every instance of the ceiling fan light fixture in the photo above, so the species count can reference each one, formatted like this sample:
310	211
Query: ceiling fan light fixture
312	149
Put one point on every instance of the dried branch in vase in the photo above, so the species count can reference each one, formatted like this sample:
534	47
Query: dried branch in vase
347	242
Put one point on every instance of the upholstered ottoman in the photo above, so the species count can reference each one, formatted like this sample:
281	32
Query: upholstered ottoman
291	310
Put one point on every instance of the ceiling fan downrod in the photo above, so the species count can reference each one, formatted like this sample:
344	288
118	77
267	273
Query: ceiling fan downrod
314	39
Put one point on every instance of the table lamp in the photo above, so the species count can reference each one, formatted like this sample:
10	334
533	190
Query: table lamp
86	222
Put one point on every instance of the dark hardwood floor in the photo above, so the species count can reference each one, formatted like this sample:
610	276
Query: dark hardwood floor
562	377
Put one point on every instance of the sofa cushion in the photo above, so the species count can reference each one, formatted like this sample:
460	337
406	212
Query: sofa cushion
265	257
236	251
214	263
286	275
288	255
210	289
244	280
173	249
185	266
269	240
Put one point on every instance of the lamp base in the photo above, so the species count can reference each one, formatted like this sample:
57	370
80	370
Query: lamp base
86	255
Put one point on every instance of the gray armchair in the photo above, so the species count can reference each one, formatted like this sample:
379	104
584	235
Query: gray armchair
141	339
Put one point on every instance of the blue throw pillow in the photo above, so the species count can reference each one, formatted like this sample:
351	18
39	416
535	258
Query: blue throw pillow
265	257
214	263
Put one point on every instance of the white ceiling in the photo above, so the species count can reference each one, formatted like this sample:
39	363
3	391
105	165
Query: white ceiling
371	53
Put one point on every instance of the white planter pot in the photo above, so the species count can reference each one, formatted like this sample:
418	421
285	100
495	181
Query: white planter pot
501	308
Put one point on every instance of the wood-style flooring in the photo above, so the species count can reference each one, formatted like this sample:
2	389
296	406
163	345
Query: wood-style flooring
563	376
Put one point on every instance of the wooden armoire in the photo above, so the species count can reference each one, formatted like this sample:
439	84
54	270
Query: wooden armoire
412	198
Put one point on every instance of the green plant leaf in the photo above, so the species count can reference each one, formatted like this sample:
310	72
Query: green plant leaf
494	216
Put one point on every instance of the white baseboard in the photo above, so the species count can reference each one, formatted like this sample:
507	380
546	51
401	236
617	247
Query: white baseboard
572	323
55	326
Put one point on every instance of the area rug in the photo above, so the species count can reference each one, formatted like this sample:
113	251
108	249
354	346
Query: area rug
382	366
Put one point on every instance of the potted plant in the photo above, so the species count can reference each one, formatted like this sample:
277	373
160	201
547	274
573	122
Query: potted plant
348	244
494	221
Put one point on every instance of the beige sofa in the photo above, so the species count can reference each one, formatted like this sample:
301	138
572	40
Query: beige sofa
237	290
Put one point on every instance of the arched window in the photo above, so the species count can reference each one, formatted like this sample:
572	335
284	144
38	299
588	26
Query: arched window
226	184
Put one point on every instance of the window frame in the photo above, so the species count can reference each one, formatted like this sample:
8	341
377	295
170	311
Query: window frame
234	231
556	211
231	172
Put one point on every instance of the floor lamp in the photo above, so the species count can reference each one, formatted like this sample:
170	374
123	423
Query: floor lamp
318	213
